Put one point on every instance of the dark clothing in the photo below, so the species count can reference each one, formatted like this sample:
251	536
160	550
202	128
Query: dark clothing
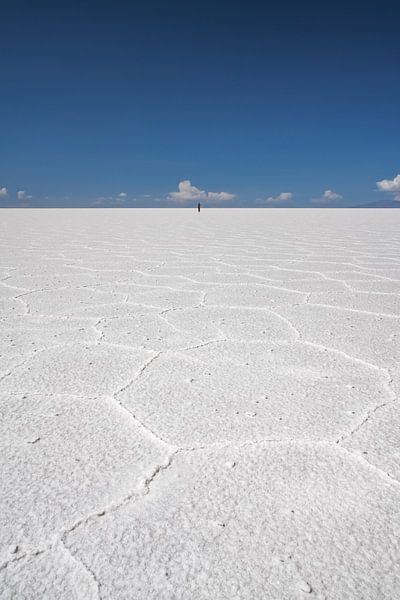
198	207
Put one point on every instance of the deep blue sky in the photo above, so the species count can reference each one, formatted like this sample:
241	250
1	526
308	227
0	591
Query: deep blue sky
251	98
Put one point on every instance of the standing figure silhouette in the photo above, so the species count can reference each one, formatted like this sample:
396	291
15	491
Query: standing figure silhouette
198	207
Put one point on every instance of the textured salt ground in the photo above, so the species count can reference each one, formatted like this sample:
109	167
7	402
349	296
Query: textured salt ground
53	573
261	521
64	458
198	406
258	391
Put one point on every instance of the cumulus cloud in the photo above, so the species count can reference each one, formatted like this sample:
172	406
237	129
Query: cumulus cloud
3	192
390	185
280	198
219	196
327	197
123	195
22	195
188	192
330	195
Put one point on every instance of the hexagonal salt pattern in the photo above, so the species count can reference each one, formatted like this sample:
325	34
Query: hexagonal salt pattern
200	406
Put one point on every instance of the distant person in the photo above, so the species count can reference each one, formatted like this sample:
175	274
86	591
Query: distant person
198	207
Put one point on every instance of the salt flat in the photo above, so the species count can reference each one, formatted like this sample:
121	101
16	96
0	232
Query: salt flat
200	406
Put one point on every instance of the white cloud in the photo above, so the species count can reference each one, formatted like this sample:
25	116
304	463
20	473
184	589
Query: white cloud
99	201
118	200
282	197
3	192
188	192
327	197
390	185
330	195
219	196
22	195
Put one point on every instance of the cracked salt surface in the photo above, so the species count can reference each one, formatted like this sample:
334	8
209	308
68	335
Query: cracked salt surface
197	406
286	515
